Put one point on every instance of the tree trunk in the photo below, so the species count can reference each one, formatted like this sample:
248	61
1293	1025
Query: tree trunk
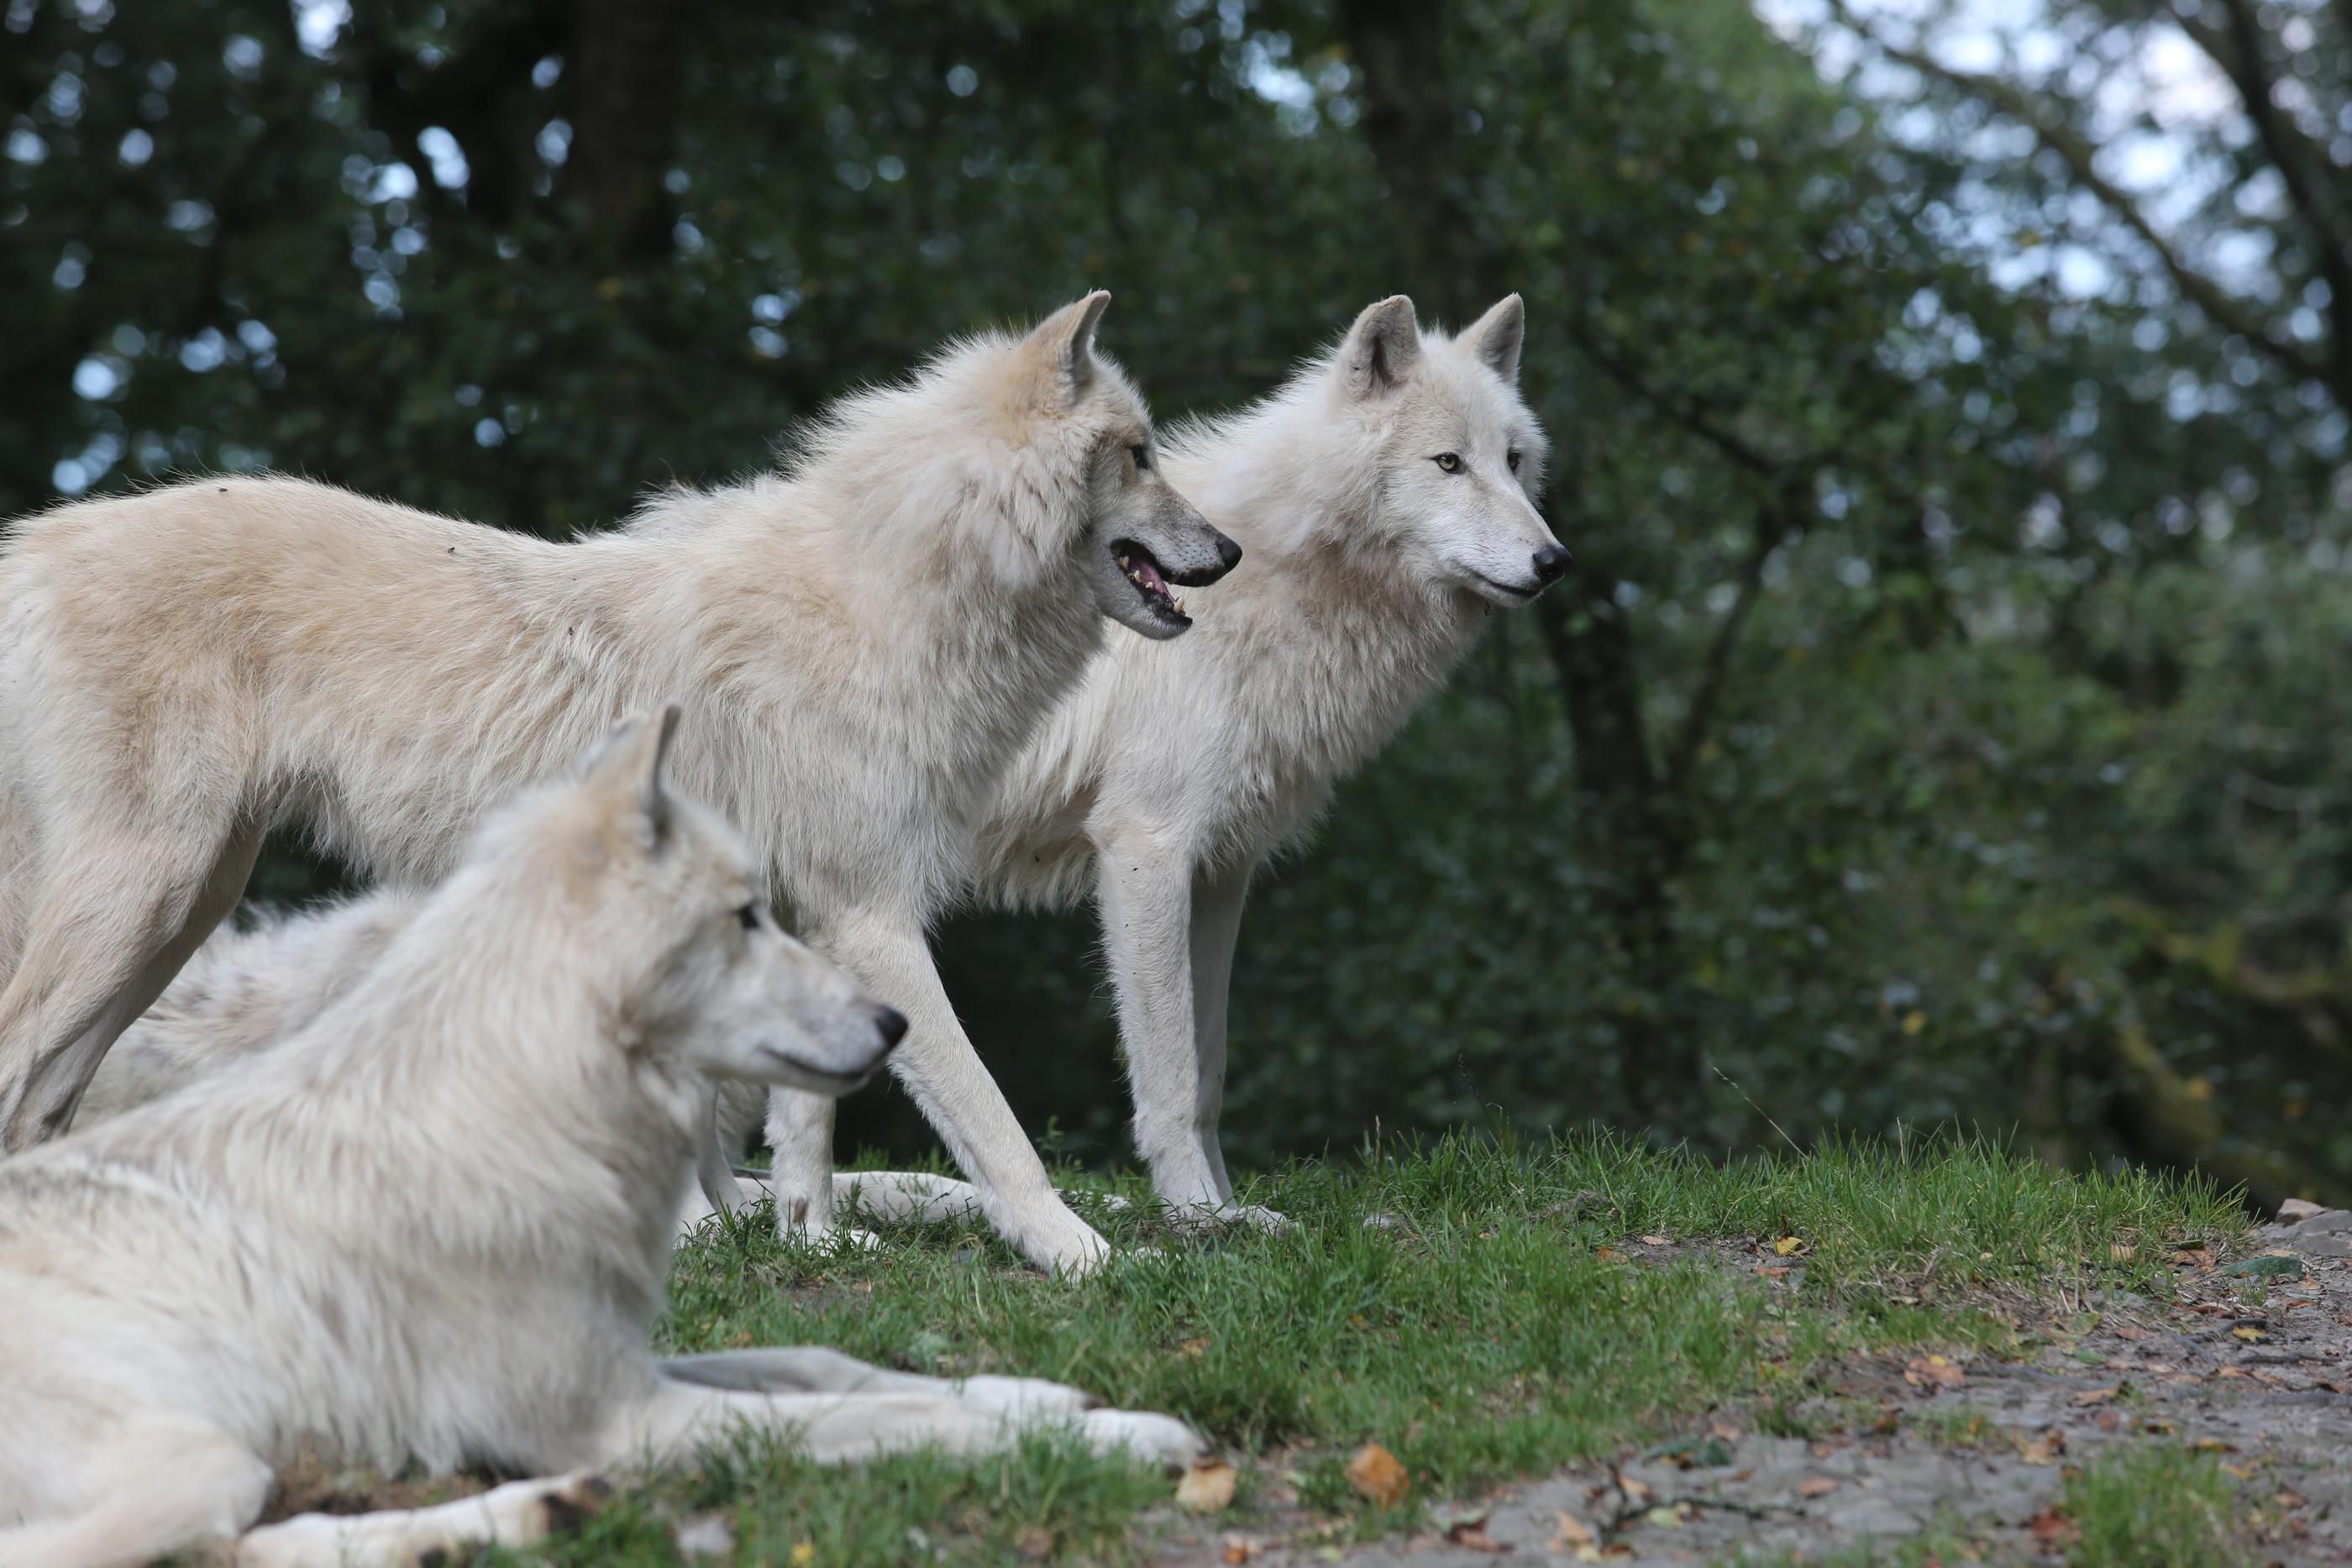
625	128
1634	834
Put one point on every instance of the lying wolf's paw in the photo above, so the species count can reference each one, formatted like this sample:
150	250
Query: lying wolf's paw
1108	1202
1022	1400
1199	1218
1142	1434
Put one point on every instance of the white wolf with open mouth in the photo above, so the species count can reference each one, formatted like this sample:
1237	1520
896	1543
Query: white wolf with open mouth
870	636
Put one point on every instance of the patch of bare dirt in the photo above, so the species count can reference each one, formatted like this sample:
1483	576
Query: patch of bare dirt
2250	1362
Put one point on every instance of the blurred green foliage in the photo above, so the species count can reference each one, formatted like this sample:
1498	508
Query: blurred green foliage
1945	724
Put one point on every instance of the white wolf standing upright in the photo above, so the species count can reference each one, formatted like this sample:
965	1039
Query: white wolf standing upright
1387	497
870	636
293	1255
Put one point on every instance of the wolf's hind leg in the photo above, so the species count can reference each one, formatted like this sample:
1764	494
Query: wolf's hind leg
675	1420
163	1484
1167	930
814	1369
518	1514
121	911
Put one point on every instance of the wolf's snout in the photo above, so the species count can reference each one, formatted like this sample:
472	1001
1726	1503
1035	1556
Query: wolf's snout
892	1023
1229	555
1552	563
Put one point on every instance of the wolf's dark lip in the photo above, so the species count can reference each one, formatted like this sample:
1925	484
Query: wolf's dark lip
1514	589
1141	568
826	1076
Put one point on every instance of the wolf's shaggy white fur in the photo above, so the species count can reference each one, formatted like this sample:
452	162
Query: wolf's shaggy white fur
293	1254
870	637
1177	768
1176	771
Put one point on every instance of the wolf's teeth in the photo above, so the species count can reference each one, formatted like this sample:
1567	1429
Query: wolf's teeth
1180	606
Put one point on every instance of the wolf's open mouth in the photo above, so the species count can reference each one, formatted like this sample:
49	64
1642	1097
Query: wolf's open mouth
1142	569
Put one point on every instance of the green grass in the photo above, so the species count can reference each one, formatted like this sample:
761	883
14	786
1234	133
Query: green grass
1499	1328
2153	1508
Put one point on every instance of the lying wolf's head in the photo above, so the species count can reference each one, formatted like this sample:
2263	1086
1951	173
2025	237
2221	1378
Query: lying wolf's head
1461	457
666	894
1141	536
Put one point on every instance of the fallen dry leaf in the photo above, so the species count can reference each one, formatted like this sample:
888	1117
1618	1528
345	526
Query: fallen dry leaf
1035	1543
1635	1490
2291	1500
2132	1331
1471	1533
1207	1485
2212	1446
1610	1255
1773	1271
2108	1421
1377	1475
2096	1395
2052	1528
1193	1348
1816	1486
1570	1530
1656	1241
1931	1373
2242	1473
2248	1333
1789	1246
2044	1449
1240	1549
2122	1252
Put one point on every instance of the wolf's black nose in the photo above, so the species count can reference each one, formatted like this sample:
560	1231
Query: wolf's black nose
1228	552
893	1025
1552	561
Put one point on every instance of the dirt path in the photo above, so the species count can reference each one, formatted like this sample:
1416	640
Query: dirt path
2252	1362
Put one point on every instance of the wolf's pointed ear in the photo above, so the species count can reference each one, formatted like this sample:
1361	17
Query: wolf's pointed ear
1497	335
653	789
627	765
1062	345
1381	348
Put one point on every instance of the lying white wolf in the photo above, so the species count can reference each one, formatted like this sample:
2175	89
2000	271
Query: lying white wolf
293	1254
1386	495
873	634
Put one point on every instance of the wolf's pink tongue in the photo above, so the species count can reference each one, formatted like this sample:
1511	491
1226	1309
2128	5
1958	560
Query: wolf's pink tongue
1150	575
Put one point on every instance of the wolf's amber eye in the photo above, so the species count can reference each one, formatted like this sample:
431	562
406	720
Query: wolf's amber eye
1142	458
1513	460
747	917
1448	462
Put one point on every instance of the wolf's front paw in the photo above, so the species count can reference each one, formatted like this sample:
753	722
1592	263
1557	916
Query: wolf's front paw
1146	1435
1070	1249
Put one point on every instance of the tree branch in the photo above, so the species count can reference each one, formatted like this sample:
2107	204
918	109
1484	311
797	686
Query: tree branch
1687	413
2300	164
2162	1116
2226	309
1775	518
